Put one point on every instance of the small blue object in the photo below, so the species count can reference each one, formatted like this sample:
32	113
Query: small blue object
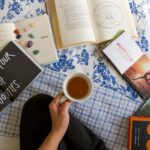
31	35
18	36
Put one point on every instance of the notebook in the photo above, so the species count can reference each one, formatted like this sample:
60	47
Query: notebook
17	70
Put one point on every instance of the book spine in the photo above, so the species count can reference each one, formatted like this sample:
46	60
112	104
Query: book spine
130	134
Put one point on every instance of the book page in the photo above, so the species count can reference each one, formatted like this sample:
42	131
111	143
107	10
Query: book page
110	16
37	38
74	21
6	34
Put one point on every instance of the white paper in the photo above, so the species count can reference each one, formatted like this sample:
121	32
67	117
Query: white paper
109	16
123	52
74	21
6	34
43	38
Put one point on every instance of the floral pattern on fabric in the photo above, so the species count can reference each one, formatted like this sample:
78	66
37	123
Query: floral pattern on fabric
86	57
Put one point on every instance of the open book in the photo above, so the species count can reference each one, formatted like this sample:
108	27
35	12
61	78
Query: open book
34	35
131	62
90	21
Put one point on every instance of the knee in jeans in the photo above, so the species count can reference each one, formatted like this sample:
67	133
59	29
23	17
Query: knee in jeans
38	100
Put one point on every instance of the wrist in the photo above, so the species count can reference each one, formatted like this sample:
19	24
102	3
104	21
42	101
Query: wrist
57	136
51	142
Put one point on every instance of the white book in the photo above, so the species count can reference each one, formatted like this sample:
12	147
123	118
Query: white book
34	35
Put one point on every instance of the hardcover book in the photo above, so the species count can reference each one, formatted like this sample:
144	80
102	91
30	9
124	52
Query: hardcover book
144	110
139	133
89	21
17	70
131	62
34	35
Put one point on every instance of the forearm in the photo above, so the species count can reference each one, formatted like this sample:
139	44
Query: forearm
51	142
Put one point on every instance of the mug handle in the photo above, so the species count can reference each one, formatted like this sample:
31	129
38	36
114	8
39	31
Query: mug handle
64	98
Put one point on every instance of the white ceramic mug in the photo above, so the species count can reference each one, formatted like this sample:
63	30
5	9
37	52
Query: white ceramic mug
66	82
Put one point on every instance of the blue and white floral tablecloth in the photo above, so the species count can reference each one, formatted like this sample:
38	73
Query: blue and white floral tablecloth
113	100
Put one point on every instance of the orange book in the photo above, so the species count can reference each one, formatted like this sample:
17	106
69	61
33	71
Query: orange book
139	133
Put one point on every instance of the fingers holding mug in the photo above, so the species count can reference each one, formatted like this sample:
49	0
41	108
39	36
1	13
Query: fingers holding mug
63	99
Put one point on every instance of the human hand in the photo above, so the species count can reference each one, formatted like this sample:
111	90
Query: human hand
60	116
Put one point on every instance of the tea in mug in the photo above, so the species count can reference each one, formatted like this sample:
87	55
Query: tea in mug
78	87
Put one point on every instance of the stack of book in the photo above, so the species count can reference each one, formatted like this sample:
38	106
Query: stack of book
134	66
